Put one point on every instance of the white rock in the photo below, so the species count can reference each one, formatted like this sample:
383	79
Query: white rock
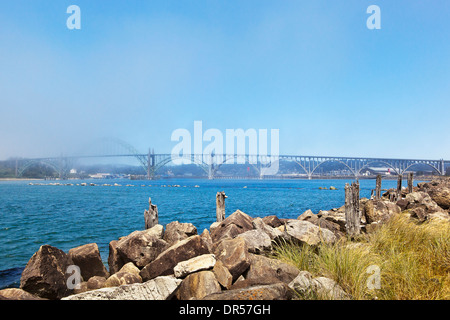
320	287
308	233
160	288
273	233
203	262
257	240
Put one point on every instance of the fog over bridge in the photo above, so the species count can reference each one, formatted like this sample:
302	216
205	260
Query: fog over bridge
265	165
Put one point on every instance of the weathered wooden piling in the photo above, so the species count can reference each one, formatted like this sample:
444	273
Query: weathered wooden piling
220	206
352	210
410	182
151	215
399	187
378	187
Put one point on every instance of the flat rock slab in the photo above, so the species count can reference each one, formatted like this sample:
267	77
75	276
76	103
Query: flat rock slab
17	294
277	291
199	263
160	288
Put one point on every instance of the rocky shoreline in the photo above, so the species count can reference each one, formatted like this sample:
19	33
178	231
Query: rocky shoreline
230	261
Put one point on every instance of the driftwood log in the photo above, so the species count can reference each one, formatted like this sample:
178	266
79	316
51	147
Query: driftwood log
151	215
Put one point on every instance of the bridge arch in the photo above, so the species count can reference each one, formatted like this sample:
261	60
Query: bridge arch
301	166
193	160
333	160
233	158
422	163
111	142
31	163
291	160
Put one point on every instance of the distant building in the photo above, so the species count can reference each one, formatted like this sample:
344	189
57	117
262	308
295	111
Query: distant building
101	176
380	170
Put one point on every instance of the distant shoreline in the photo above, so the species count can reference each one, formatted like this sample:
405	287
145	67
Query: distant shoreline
19	179
422	178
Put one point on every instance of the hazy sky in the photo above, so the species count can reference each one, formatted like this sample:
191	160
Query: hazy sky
138	70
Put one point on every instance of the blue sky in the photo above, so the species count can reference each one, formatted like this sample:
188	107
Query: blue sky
138	70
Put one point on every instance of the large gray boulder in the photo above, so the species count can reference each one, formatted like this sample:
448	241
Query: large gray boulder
273	233
257	240
421	206
176	231
141	247
439	191
321	288
160	288
277	291
308	233
379	210
262	267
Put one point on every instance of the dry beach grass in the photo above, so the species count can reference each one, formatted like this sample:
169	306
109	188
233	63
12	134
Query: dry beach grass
413	259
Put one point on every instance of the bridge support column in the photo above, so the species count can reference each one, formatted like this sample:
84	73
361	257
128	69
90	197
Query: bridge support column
211	172
150	164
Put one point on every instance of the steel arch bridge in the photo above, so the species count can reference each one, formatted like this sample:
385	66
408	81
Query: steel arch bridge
151	162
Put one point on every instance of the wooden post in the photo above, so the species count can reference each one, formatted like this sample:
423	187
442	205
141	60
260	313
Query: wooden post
378	187
352	212
399	187
220	206
410	182
151	215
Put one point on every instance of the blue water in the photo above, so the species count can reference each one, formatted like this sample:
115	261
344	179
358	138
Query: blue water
70	216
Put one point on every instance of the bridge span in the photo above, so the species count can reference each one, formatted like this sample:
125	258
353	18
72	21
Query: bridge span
151	162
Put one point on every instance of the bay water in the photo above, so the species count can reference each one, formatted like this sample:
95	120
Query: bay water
34	213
